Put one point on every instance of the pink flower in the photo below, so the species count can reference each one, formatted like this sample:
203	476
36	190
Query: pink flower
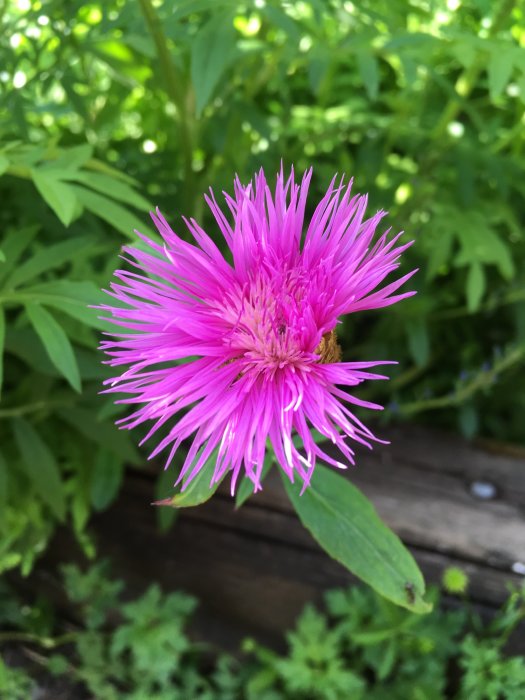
234	350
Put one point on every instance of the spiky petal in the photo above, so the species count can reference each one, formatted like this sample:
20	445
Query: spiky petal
234	352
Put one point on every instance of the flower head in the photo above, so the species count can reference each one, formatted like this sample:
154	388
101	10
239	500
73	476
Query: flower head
236	351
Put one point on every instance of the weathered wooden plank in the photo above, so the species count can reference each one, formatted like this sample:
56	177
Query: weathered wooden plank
255	568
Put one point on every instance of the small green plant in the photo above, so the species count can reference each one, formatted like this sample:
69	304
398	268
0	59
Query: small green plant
360	646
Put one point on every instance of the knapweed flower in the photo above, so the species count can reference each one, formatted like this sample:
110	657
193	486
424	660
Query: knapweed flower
238	351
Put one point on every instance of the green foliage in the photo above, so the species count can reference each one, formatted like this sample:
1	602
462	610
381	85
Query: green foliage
107	108
57	457
361	646
15	684
344	522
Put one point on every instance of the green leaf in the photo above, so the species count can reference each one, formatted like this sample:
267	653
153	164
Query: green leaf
164	484
4	164
112	187
40	466
213	49
106	479
199	490
101	432
480	244
2	256
418	341
499	71
108	210
71	158
48	258
4	485
59	196
73	298
14	244
245	488
475	289
56	343
100	167
439	253
369	71
2	342
344	522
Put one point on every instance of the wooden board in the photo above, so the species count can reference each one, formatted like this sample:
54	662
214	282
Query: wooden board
254	569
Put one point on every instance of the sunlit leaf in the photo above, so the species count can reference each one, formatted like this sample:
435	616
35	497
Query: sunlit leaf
114	188
369	71
105	208
73	158
58	195
499	70
213	49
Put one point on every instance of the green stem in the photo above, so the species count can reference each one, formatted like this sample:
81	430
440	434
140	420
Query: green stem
46	642
25	409
512	297
481	381
175	91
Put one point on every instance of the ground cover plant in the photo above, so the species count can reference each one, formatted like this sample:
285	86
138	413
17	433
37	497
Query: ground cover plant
358	645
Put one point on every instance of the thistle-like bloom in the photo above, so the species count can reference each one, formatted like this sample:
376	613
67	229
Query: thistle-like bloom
238	351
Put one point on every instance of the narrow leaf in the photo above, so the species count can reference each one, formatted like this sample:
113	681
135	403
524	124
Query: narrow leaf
112	187
476	283
73	298
14	244
2	343
102	433
106	479
199	490
213	49
59	196
499	71
4	163
418	341
4	485
40	466
49	258
108	210
72	158
369	72
164	484
56	343
344	522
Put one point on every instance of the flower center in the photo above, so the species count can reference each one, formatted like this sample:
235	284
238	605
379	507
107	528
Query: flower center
273	321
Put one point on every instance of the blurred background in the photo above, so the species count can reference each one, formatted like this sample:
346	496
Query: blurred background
108	109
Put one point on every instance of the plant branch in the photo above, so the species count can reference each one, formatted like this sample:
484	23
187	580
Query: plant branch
175	92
